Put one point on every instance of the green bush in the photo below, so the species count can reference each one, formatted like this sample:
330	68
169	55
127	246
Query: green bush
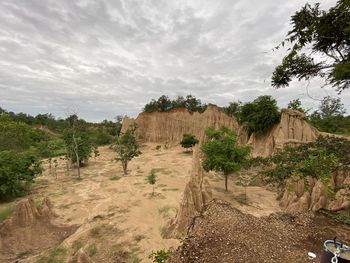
259	115
188	141
17	172
160	256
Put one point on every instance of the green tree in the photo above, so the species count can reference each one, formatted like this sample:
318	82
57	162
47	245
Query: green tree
17	172
223	153
330	116
327	34
233	109
295	105
78	143
259	115
126	148
152	179
188	141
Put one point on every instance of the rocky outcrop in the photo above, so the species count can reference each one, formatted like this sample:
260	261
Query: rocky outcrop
31	228
169	127
197	193
292	129
297	197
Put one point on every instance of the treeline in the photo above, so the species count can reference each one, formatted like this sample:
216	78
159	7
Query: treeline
25	140
164	103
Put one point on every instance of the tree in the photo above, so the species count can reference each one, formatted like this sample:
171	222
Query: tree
152	179
331	107
78	143
188	141
330	116
17	172
327	35
295	105
233	109
223	154
126	148
259	115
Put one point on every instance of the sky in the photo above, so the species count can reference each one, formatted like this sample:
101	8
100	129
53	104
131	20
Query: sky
103	58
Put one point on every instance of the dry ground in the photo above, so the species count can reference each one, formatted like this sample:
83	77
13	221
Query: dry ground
117	214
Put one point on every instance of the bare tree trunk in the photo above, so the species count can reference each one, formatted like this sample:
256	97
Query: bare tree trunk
76	150
50	166
226	177
125	167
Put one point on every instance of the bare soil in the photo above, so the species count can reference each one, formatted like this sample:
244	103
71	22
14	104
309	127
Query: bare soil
121	221
225	234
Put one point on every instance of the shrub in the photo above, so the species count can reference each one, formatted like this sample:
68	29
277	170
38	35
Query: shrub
188	141
160	256
17	172
259	115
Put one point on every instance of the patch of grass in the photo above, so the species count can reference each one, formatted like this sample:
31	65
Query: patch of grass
170	189
134	259
138	183
77	244
6	212
159	169
164	210
92	249
115	178
340	217
56	255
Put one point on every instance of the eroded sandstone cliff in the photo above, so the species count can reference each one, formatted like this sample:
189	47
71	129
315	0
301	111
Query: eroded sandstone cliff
292	129
169	127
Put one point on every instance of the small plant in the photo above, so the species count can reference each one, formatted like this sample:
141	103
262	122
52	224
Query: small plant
159	256
115	178
188	141
158	147
92	249
244	180
152	179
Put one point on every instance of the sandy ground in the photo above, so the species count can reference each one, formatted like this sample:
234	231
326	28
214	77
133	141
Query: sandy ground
117	213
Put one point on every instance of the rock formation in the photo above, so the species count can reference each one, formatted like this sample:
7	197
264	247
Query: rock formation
31	229
297	198
292	129
197	193
169	127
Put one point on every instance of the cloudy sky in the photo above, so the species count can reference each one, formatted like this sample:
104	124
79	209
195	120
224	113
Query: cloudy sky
104	58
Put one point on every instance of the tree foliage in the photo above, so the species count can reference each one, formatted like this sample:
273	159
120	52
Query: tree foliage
223	153
126	148
330	116
259	115
17	172
152	179
315	159
233	109
188	141
295	105
327	34
164	103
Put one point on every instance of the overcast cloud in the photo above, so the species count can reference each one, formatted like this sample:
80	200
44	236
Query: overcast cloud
110	57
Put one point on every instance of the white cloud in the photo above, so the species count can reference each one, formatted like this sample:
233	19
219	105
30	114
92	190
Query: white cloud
111	57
